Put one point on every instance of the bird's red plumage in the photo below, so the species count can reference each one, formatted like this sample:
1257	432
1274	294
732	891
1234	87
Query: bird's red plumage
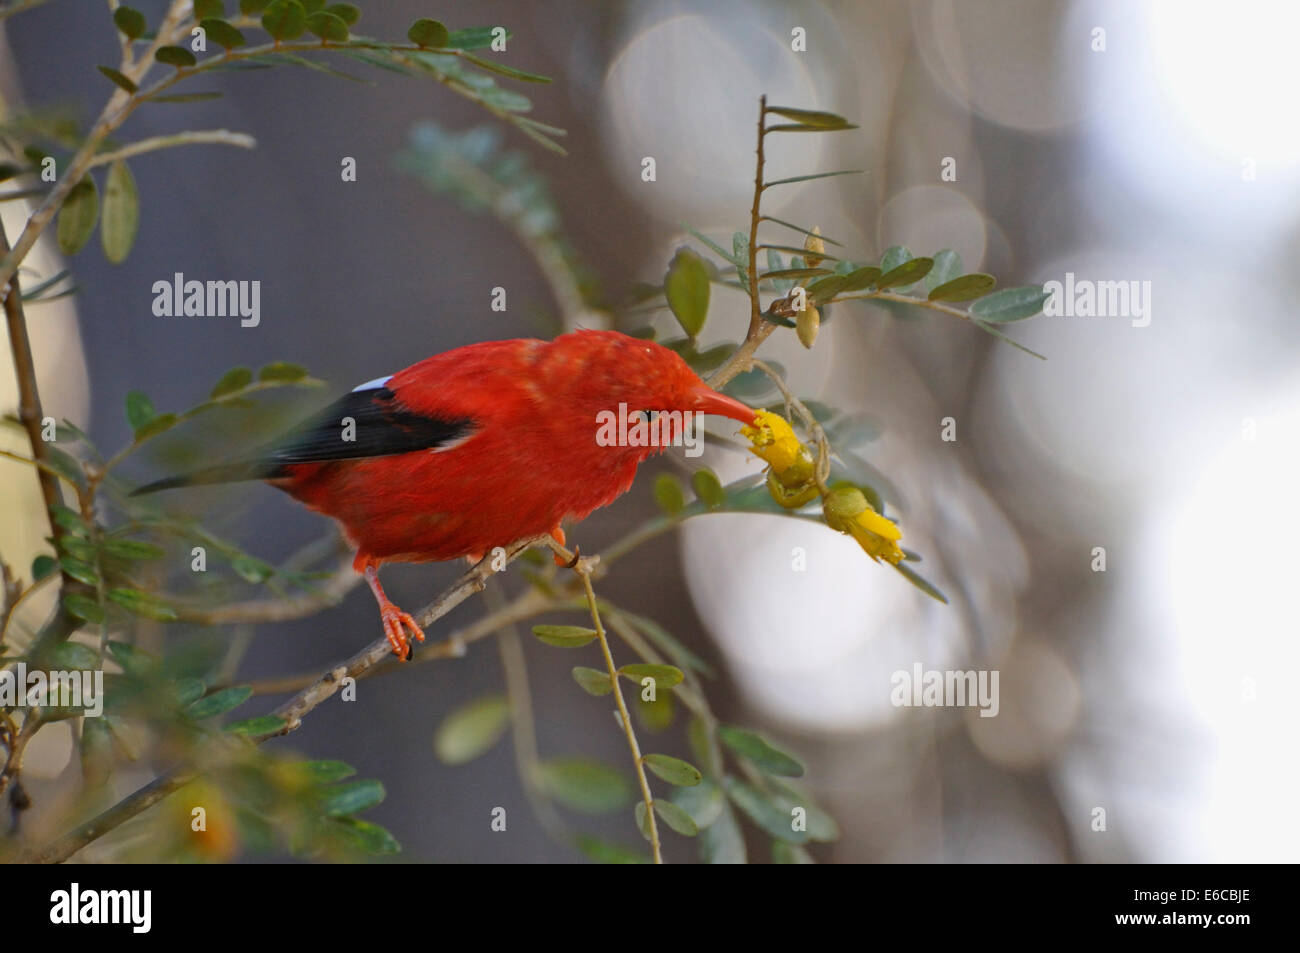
531	461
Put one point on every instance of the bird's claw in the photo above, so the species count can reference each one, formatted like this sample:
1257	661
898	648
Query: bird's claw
396	623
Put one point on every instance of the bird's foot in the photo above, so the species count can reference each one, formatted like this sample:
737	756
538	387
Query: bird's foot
396	624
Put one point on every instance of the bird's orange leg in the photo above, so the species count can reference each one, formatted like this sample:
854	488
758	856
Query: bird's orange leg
557	534
396	622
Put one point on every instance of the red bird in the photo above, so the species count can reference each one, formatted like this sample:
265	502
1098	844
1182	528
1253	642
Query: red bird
474	448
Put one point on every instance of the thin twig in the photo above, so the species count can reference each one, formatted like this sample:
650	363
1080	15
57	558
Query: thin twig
197	137
583	566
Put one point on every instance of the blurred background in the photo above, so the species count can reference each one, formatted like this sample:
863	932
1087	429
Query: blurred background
1117	141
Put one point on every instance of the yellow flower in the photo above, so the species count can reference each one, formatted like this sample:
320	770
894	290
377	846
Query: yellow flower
847	510
773	441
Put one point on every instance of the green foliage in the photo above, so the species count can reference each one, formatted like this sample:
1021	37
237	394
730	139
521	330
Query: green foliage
472	730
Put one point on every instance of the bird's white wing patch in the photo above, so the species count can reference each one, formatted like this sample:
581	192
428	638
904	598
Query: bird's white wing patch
375	384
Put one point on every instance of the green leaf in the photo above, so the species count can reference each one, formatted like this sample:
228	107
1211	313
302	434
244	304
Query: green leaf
760	809
668	494
472	729
503	70
254	727
73	656
282	371
80	548
473	38
345	12
139	409
205	9
908	273
66	465
252	569
284	19
143	604
859	279
807	127
218	703
177	56
235	379
808	178
70	520
80	571
252	7
78	216
686	286
665	676
894	256
823	289
783	853
810	117
722	842
673	770
121	213
1011	304
428	33
118	80
588	787
564	636
606	853
186	691
344	799
130	22
83	608
964	288
324	771
224	35
947	266
366	837
703	802
156	426
799	228
328	26
676	818
133	660
921	582
593	681
708	488
42	566
763	755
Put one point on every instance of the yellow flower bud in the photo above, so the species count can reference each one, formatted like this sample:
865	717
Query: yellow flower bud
806	325
814	247
790	497
842	506
773	440
847	510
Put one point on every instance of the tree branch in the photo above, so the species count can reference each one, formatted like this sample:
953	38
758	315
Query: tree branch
292	711
197	137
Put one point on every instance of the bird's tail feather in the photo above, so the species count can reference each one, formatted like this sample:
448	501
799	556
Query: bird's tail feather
222	473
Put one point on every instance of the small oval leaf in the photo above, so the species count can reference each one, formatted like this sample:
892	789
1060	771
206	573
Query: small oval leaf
121	213
564	636
472	729
673	770
78	216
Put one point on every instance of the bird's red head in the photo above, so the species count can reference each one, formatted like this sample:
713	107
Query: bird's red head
609	373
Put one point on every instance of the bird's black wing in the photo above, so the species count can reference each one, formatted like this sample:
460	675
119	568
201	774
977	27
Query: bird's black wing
367	422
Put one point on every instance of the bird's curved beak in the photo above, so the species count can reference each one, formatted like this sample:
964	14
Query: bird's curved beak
711	402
